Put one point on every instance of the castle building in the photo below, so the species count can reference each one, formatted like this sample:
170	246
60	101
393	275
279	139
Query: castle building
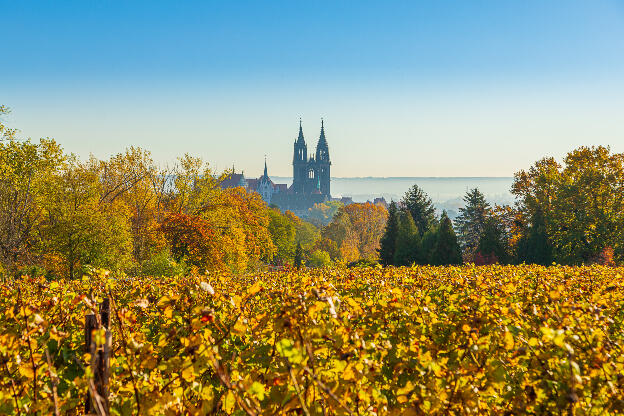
311	178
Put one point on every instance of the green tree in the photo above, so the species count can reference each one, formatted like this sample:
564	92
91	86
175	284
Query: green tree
298	260
580	204
389	239
319	258
471	222
420	207
407	242
427	245
492	246
534	246
26	172
446	250
79	229
321	214
283	233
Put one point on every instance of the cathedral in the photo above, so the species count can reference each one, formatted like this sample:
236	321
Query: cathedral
311	178
311	174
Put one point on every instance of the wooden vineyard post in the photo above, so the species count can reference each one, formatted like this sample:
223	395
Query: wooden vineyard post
100	362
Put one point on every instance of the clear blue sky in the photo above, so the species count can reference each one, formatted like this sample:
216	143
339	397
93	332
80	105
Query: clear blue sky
439	88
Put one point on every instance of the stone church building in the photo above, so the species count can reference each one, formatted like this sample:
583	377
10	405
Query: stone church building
311	178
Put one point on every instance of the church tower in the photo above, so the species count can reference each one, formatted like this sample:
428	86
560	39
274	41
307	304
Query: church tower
300	163
323	164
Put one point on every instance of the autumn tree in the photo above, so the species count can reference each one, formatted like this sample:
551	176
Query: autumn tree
26	172
356	231
78	229
580	203
321	214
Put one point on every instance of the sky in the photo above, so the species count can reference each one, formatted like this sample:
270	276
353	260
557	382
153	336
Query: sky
437	88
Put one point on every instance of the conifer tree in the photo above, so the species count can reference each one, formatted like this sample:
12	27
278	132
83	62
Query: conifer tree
492	247
298	260
446	250
420	207
388	241
427	245
408	241
471	222
534	246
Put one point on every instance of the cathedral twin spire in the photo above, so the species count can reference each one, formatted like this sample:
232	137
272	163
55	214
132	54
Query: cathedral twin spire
311	174
322	149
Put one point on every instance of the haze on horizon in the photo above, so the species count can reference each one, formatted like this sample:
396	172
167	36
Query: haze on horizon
479	89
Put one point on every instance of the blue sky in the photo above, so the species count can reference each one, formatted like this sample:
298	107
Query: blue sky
445	88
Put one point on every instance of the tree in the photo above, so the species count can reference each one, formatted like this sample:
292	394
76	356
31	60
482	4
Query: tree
420	207
492	245
5	132
26	172
534	246
319	258
321	214
427	245
471	222
356	231
298	260
194	240
580	204
446	250
387	244
408	241
78	229
283	233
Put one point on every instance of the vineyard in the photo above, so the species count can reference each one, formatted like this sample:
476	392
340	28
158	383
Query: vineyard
362	341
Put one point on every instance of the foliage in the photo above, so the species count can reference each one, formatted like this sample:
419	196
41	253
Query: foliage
355	232
78	228
580	204
369	341
492	243
319	258
388	242
420	207
283	233
26	172
446	249
321	214
408	250
162	264
470	223
298	259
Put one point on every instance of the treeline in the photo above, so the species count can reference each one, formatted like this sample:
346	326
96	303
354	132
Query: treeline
62	216
570	213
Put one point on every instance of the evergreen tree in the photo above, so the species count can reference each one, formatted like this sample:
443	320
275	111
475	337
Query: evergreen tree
534	246
387	244
446	250
420	207
471	222
427	245
408	241
298	260
492	247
